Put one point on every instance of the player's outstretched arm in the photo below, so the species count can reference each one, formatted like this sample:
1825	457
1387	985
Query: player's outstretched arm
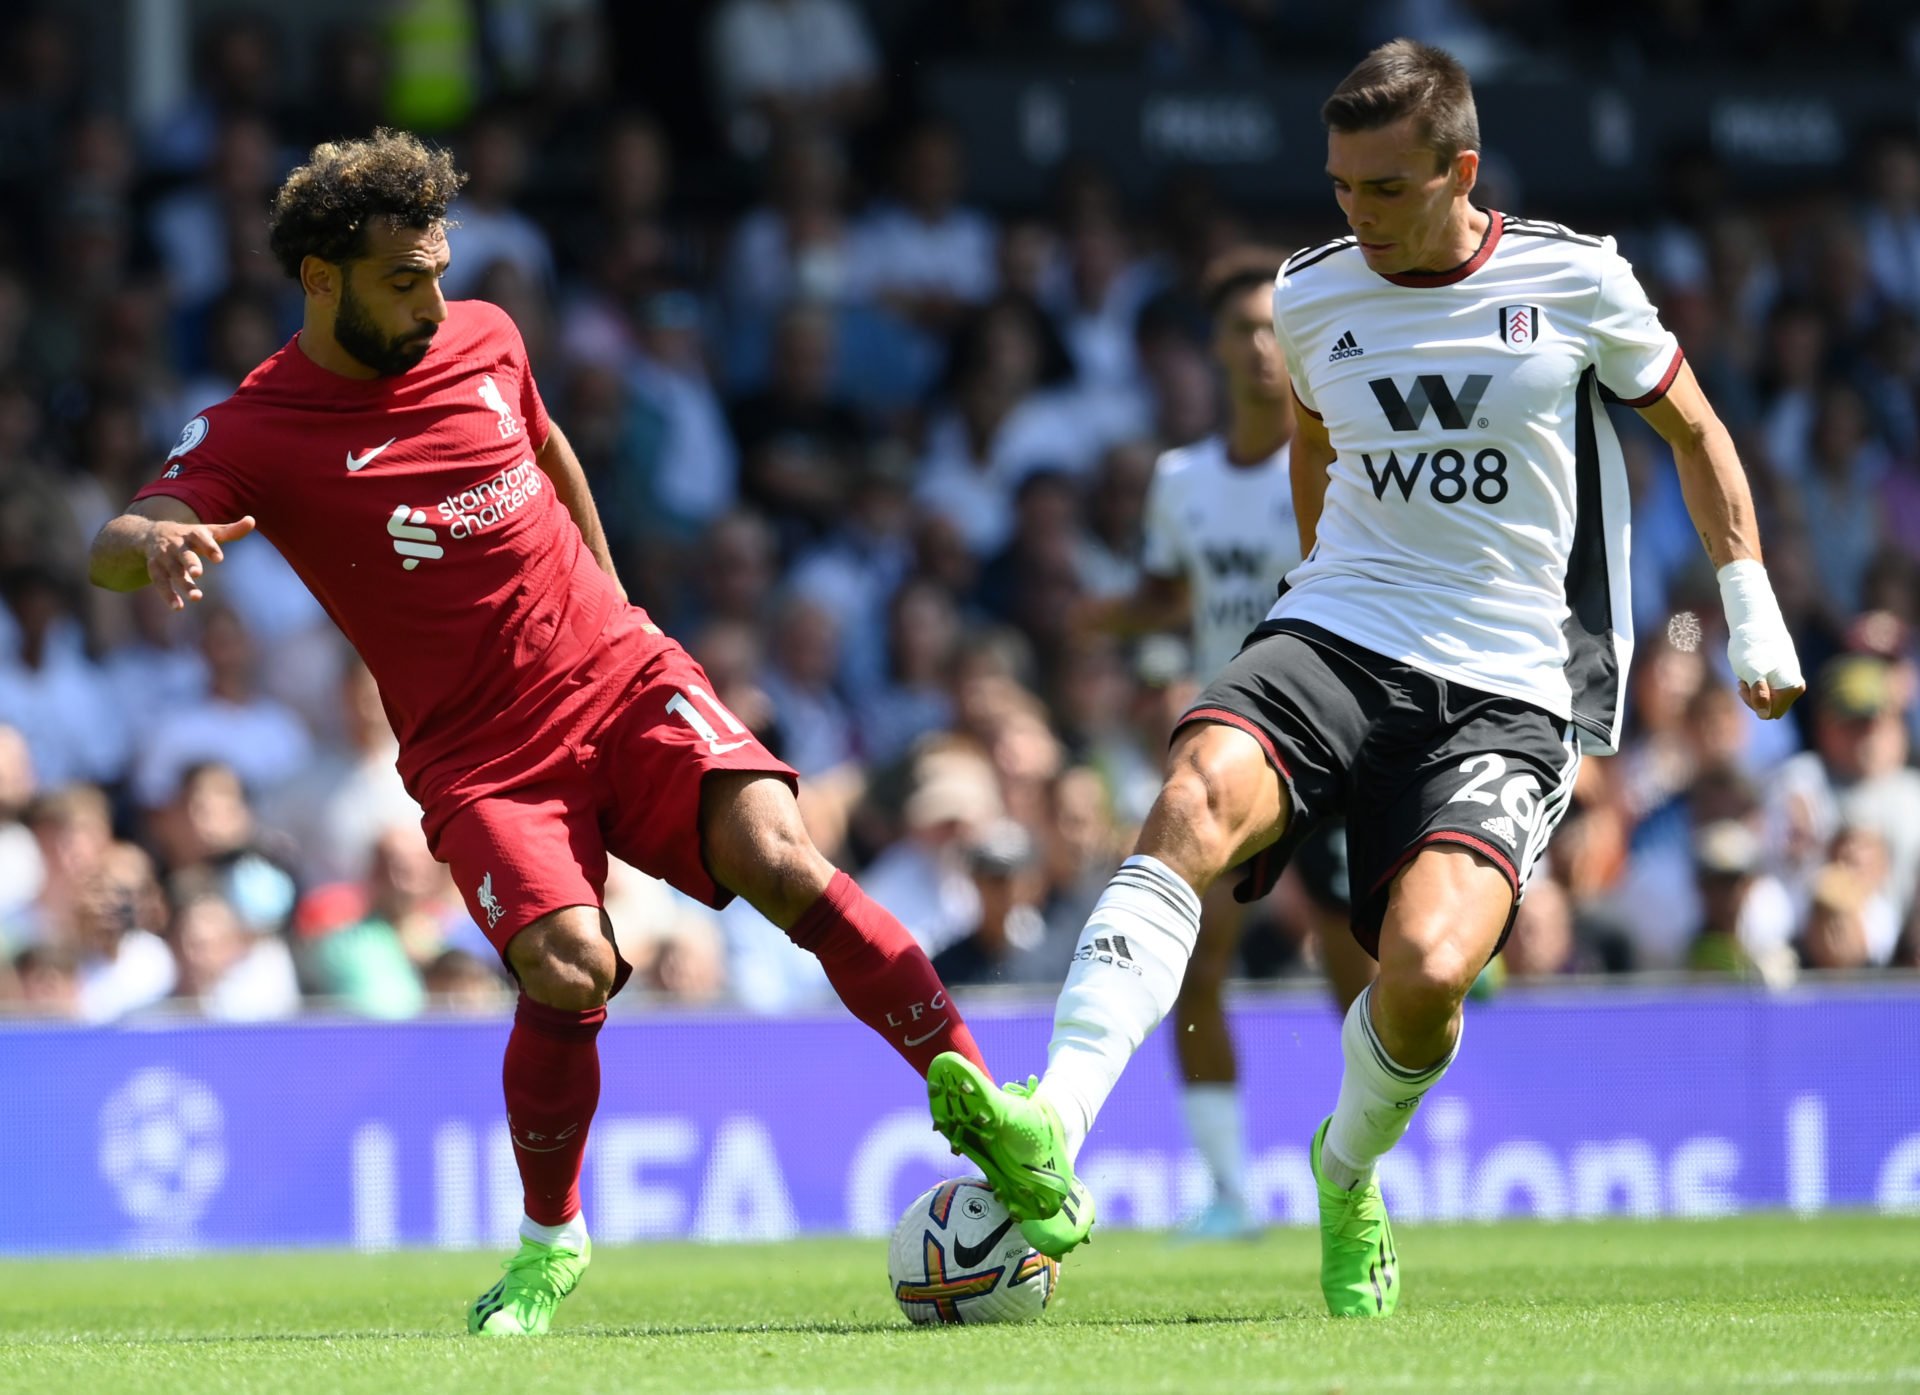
160	540
1721	506
559	464
1312	454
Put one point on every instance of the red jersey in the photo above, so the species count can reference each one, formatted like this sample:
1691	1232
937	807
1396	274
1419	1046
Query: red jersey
414	510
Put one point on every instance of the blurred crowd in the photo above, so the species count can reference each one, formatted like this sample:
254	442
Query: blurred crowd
869	449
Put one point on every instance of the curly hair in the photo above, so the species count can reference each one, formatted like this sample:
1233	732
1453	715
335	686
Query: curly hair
324	207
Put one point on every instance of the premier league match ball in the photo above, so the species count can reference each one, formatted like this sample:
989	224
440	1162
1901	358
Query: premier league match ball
958	1256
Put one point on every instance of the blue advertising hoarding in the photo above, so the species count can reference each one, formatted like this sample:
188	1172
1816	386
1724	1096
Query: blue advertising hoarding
1674	1102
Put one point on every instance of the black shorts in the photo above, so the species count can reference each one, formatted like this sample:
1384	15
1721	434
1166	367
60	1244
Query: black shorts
1407	758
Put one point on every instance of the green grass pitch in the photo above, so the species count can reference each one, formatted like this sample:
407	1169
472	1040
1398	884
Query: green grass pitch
1762	1303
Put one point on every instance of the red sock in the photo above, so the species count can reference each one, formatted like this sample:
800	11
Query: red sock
884	978
553	1084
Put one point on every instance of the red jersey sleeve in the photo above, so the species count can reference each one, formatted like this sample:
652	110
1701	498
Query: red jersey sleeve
199	477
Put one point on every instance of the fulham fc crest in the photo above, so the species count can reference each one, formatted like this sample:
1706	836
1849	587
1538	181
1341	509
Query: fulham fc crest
1519	325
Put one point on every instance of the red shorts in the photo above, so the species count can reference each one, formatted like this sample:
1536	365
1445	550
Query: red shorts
632	789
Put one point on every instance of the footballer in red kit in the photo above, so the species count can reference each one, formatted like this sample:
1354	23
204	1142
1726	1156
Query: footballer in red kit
398	454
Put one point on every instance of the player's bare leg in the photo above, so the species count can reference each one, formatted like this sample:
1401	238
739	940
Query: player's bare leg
568	968
1445	912
757	846
1220	804
1203	1044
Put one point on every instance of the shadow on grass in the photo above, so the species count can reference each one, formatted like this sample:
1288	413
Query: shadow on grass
638	1332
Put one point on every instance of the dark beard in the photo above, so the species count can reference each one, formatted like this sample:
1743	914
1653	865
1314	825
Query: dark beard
354	331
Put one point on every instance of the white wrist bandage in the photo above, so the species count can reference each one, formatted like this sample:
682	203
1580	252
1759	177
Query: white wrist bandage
1759	646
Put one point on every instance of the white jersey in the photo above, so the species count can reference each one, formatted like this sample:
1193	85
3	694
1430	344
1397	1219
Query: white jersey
1229	529
1475	523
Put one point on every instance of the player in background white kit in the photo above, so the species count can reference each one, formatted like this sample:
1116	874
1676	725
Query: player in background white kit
1458	631
1220	533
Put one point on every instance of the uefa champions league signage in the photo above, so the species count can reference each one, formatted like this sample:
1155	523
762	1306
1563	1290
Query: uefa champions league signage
1683	1102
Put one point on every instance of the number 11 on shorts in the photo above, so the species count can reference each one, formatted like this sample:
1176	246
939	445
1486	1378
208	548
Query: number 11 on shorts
681	706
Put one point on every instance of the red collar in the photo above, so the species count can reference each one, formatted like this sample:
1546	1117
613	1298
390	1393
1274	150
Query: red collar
1462	271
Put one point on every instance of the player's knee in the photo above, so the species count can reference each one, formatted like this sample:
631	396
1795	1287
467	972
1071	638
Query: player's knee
1426	975
565	963
1199	810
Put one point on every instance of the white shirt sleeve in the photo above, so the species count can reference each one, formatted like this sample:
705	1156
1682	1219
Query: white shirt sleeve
1160	550
1296	367
1636	355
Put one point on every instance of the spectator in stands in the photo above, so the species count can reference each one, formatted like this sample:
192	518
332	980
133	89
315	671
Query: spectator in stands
927	256
1857	774
227	973
1891	220
800	437
485	226
861	563
51	692
21	870
369	959
46	981
778	63
207	832
1007	410
329	816
1836	933
458	980
123	965
677	438
923	878
265	743
797	244
72	828
1008	942
198	229
815	723
923	637
1839	493
1542	943
1726	857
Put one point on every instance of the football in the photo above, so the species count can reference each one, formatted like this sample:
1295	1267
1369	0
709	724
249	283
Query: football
958	1256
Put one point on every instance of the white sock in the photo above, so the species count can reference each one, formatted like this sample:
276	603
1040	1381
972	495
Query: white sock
1378	1097
1217	1125
1125	975
572	1235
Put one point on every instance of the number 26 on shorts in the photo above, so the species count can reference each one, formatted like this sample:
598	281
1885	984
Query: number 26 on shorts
1519	796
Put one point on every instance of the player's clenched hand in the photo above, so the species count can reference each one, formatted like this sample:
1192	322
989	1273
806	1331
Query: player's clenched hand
1768	700
178	554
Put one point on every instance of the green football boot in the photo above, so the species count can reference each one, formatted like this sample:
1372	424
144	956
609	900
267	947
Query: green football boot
522	1304
1019	1146
1359	1268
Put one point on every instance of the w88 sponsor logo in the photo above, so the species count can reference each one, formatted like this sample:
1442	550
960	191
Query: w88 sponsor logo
1446	468
1446	471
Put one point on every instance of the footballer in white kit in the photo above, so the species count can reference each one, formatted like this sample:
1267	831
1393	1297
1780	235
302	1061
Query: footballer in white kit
1229	530
1456	635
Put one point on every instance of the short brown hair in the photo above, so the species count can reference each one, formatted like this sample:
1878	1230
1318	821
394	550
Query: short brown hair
325	206
1408	78
1238	269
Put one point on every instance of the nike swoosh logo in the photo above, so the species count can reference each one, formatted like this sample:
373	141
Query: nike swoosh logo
357	462
915	1041
970	1255
734	746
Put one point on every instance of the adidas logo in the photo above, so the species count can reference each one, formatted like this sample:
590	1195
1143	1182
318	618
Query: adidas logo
1106	949
1502	826
1345	347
